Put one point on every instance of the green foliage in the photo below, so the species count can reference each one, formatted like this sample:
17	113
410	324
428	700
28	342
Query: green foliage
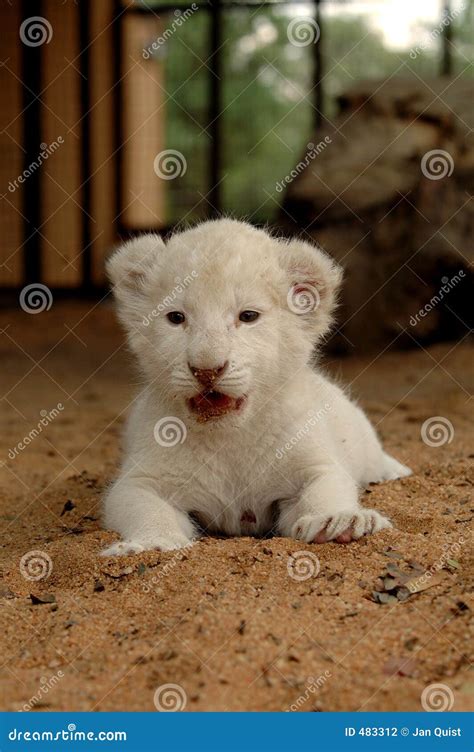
267	103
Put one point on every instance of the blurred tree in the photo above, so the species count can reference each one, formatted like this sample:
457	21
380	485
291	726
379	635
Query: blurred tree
463	40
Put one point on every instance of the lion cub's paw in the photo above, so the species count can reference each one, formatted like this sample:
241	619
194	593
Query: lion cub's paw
342	527
124	548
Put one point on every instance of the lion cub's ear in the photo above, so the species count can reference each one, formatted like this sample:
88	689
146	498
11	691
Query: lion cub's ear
131	263
128	270
313	279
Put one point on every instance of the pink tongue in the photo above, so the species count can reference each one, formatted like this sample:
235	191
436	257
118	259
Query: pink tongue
212	399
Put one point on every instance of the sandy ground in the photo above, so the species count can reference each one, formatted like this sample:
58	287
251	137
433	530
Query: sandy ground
224	620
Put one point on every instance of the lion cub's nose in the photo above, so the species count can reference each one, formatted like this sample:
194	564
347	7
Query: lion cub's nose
207	376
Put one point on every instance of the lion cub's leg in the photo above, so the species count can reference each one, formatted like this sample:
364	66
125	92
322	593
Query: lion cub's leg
144	520
329	510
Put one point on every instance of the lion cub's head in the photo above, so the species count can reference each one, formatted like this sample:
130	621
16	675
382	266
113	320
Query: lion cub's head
222	314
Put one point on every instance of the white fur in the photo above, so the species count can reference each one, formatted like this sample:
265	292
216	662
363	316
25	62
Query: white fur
296	454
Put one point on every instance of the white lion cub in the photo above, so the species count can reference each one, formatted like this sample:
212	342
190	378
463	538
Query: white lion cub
235	431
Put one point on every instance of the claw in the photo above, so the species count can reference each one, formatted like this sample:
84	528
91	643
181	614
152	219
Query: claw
343	527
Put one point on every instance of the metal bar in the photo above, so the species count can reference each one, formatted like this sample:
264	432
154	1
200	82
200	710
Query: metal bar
31	106
118	121
9	295
447	58
215	108
84	37
318	69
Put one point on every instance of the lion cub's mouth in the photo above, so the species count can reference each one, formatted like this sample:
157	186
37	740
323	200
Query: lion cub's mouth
212	404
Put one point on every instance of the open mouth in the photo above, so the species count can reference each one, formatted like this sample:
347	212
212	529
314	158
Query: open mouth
212	404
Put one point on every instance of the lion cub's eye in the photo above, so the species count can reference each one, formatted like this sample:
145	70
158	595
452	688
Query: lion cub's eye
248	316
176	317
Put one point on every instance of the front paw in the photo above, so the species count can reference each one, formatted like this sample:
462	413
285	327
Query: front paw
123	548
342	527
162	543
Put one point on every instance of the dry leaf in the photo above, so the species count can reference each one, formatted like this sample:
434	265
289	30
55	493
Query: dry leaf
392	554
400	666
40	599
418	584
